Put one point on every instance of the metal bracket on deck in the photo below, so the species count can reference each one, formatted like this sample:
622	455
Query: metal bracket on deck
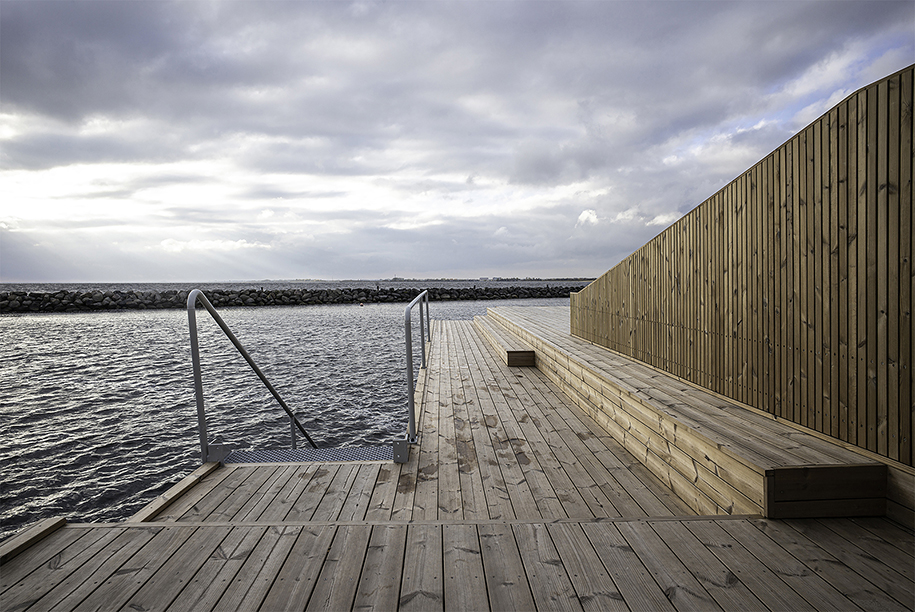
401	451
217	452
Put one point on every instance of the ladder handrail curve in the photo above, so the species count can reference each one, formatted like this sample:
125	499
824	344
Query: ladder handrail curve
193	298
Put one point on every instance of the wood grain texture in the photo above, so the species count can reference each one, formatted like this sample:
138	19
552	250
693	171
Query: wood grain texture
718	457
791	288
609	536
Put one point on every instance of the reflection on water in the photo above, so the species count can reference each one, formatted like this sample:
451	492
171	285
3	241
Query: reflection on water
97	412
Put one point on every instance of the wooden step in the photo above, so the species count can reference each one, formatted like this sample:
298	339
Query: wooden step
511	350
718	455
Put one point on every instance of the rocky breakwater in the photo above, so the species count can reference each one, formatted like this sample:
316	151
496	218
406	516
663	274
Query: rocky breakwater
77	301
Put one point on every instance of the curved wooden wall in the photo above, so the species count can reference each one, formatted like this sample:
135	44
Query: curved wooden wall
791	288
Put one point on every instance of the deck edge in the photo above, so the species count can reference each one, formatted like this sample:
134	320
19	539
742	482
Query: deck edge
23	540
163	501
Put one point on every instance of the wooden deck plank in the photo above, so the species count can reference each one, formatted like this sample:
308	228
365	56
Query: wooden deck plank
251	583
381	502
116	590
379	585
889	554
593	585
36	555
806	583
888	531
720	582
550	584
546	498
463	577
424	495
506	582
632	578
265	498
253	486
99	567
580	492
232	478
164	586
759	579
546	447
218	570
357	501
816	559
501	431
422	587
679	584
295	580
606	466
641	493
481	415
563	417
336	586
68	565
450	503
304	507
287	498
201	490
473	475
337	493
405	491
512	494
888	578
29	536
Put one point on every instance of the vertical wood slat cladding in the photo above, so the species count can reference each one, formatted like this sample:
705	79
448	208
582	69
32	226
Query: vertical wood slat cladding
791	288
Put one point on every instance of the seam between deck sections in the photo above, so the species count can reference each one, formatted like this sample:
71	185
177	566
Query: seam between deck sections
532	521
287	463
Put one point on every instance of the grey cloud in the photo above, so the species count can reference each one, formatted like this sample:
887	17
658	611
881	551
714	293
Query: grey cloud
166	178
537	94
537	244
264	192
199	216
24	260
38	151
100	194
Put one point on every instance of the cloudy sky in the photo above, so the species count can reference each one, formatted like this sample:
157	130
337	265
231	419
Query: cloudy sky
198	140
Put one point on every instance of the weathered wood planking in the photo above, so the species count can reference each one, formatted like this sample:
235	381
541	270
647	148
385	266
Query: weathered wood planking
347	536
497	446
510	350
791	288
625	564
717	456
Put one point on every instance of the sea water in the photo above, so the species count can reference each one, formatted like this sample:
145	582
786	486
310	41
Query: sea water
97	410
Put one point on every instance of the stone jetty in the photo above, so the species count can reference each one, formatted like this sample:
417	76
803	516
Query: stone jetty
83	301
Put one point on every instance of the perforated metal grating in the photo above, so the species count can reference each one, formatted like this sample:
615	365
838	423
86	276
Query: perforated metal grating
303	455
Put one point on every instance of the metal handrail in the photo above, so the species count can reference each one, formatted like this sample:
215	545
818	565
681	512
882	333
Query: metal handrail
192	299
424	330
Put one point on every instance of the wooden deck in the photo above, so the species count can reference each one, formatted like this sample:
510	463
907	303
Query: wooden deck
718	455
514	499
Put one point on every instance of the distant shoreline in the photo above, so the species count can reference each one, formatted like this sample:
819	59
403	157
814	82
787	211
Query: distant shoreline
53	287
90	299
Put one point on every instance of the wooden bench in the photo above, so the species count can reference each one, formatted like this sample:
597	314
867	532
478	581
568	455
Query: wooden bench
509	347
719	456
